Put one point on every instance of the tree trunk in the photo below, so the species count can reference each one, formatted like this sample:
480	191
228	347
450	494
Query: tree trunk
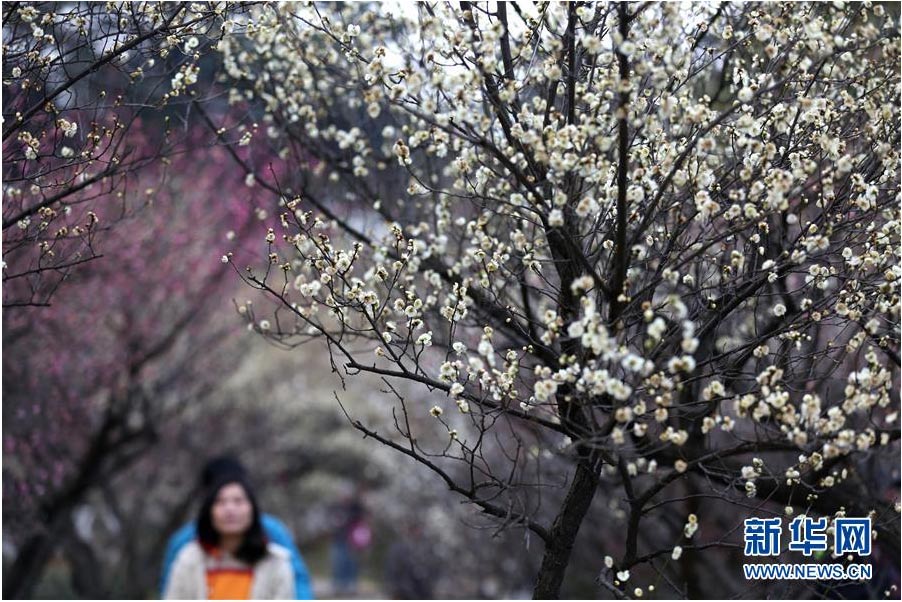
564	531
30	561
22	577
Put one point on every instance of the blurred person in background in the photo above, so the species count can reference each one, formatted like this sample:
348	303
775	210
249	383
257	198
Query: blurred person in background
351	536
221	471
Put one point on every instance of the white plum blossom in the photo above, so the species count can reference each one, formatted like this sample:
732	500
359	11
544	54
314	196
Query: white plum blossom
69	128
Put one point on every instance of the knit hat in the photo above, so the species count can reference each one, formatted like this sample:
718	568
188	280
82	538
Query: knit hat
221	468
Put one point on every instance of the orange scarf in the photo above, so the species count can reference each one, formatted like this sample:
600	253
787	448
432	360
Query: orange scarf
227	577
229	584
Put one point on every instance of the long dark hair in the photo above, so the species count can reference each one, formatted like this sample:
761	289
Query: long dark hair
253	548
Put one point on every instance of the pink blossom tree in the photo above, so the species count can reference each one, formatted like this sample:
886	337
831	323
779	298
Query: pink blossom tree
131	341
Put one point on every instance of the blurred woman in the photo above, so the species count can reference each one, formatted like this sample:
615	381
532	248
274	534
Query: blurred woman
231	559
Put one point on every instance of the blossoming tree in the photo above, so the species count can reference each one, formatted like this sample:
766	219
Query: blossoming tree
634	251
94	95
